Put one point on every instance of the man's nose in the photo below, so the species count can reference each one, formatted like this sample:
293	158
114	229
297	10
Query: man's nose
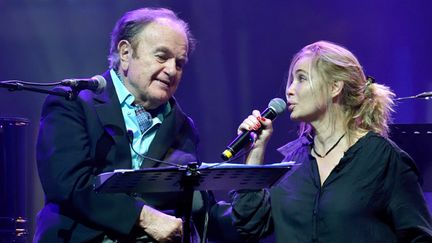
170	67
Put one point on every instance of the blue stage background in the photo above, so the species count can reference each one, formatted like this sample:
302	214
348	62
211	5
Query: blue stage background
240	63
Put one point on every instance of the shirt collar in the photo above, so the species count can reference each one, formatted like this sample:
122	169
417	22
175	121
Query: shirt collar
125	97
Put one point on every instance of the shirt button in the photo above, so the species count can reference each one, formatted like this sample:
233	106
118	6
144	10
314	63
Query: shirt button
314	212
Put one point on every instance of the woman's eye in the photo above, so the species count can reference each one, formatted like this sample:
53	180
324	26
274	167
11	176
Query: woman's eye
301	78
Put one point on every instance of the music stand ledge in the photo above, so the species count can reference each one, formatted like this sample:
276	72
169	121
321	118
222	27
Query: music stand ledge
189	179
416	140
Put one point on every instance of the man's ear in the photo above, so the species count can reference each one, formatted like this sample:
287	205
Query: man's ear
337	88
125	54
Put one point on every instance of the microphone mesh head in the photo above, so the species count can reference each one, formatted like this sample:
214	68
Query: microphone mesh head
102	83
278	105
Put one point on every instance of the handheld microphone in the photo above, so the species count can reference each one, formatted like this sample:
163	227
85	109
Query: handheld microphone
276	107
96	83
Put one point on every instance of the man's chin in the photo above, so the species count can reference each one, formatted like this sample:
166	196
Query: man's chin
160	99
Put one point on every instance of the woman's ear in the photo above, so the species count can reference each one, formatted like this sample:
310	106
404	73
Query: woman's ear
125	54
337	88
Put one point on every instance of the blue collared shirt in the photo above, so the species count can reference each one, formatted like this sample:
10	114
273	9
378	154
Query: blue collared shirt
141	141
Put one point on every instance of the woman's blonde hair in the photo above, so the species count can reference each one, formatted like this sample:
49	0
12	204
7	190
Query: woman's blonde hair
366	104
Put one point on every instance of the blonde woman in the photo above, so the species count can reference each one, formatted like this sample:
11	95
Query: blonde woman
353	184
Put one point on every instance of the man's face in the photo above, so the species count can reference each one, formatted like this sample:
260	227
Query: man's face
153	72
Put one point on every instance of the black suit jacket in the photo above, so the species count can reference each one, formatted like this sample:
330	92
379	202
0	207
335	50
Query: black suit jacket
82	138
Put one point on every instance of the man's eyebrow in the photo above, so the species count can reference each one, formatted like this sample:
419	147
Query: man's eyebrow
162	49
167	50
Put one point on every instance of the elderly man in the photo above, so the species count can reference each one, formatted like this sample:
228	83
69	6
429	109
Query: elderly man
135	115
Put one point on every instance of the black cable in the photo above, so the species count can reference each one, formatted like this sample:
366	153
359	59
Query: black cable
207	204
130	139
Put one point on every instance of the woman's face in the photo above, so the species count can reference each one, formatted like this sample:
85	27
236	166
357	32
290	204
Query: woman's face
305	103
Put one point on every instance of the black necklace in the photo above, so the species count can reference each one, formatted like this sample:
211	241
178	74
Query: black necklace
334	146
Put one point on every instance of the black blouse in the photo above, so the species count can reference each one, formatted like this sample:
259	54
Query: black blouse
372	195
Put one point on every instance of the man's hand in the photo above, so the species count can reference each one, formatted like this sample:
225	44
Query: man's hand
160	226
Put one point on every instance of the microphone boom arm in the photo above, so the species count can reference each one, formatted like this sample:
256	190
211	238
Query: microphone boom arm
18	86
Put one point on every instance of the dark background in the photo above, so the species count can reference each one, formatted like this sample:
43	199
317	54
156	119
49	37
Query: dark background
240	63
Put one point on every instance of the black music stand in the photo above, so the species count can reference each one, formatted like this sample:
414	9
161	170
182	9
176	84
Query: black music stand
190	178
416	140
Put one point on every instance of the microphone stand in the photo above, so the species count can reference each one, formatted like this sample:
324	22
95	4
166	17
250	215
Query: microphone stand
17	86
189	181
424	95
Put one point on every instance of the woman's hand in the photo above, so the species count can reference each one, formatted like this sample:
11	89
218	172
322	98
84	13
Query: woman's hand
262	129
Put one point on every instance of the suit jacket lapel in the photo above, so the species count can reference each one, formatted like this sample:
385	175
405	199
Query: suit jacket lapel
166	135
109	112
